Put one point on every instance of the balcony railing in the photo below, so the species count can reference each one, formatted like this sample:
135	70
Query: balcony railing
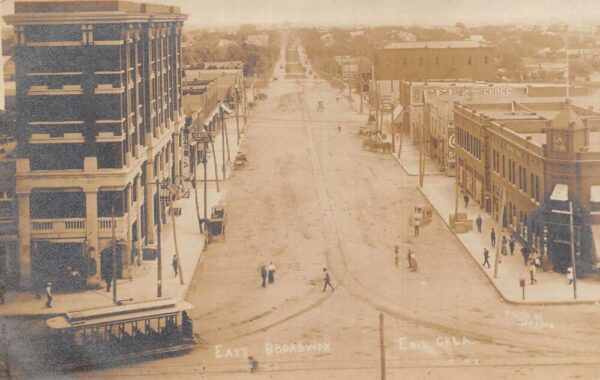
58	225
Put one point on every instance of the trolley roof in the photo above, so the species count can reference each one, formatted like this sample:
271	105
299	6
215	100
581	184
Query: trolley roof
118	313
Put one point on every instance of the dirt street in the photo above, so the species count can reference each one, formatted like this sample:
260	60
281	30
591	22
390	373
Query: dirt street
311	198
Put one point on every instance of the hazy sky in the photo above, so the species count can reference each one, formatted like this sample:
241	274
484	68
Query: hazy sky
390	12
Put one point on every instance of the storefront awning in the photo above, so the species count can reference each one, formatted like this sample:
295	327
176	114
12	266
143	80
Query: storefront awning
560	192
211	117
595	194
397	111
226	109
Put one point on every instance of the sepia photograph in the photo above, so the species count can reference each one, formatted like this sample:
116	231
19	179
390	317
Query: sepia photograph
300	189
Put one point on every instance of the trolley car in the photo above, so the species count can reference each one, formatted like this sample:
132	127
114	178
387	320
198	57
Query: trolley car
90	338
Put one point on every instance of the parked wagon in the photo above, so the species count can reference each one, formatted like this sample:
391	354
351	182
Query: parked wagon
216	223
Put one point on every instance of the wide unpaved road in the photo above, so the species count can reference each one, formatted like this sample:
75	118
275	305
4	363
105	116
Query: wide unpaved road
311	198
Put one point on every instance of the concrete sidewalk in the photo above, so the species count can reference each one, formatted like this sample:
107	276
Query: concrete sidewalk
143	284
551	288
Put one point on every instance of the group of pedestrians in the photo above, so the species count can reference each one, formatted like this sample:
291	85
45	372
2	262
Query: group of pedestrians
267	273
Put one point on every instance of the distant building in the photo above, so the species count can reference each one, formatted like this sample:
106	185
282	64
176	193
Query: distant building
223	43
327	39
544	153
417	61
99	119
261	40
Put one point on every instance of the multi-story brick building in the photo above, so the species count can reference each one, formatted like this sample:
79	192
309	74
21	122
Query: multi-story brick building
99	119
534	148
418	61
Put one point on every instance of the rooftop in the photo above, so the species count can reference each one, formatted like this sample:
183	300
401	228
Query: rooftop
68	6
466	44
79	11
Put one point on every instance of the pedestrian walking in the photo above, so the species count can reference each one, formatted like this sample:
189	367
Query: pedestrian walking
175	266
479	222
493	237
326	280
413	261
263	275
503	249
532	271
49	295
570	275
2	290
511	245
525	251
537	262
504	241
486	258
466	199
271	273
417	226
396	251
339	128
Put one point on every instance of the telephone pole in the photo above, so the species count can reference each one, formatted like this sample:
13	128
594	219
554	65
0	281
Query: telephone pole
499	241
114	256
573	266
171	211
158	245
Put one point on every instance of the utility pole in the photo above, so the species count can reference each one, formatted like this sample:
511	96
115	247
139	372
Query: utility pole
224	127
500	232
171	211
222	140
421	157
400	140
206	138
244	104
393	129
361	90
158	245
195	185
114	256
212	146
237	115
573	259
382	346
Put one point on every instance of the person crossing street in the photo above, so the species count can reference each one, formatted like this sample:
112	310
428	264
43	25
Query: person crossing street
326	280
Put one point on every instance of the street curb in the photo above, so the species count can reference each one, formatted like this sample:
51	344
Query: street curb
414	175
502	297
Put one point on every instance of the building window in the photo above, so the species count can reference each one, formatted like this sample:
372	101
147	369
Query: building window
404	61
437	60
420	61
6	205
532	180
485	60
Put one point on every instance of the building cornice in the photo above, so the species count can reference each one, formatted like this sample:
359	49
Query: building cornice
89	18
